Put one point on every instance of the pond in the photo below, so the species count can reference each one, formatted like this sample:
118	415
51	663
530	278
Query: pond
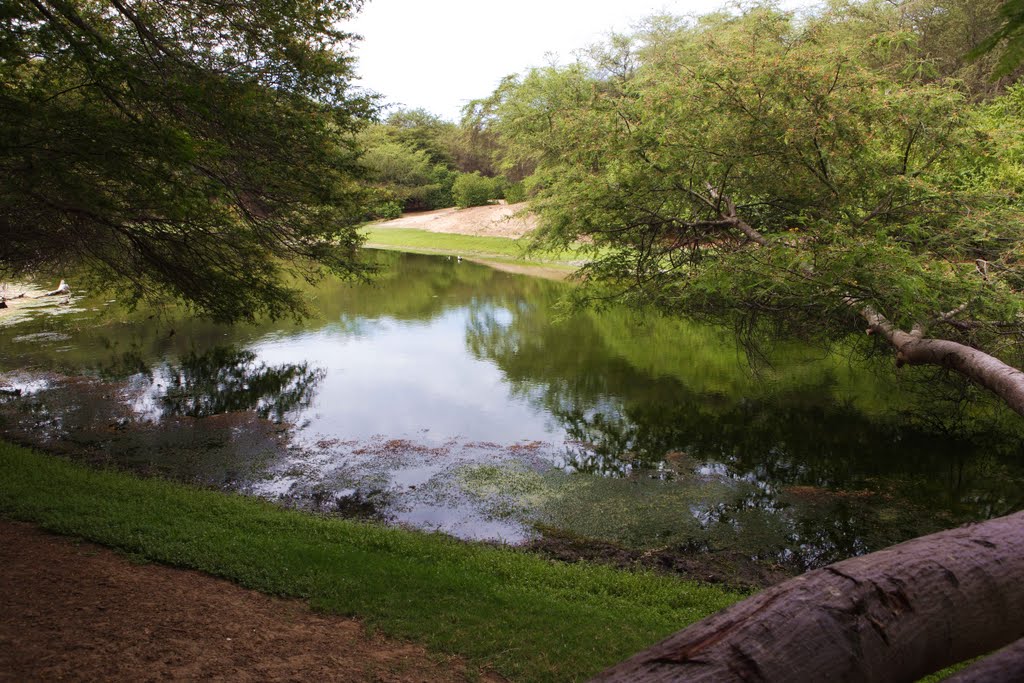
449	396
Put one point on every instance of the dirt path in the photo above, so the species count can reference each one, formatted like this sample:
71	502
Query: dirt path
75	611
496	220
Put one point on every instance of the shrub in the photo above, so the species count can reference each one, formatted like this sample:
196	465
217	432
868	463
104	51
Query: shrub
387	210
440	195
515	193
473	189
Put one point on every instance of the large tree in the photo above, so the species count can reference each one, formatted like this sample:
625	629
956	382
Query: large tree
793	176
810	176
197	148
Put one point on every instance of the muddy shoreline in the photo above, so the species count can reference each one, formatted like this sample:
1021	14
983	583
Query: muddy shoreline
495	220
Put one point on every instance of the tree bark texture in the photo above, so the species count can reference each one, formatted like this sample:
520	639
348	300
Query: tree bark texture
894	615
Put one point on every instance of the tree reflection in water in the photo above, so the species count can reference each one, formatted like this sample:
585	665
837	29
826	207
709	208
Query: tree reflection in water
814	478
228	379
668	437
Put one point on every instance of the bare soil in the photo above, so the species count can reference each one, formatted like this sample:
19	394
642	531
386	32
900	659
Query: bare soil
71	610
496	220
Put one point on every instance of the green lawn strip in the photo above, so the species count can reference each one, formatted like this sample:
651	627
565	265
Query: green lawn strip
527	618
503	248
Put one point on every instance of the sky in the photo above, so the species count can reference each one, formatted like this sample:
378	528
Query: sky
440	54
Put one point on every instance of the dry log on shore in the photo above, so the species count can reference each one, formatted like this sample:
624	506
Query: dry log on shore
894	615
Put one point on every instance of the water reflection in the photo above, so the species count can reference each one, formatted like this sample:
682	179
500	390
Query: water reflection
226	379
620	416
823	469
454	397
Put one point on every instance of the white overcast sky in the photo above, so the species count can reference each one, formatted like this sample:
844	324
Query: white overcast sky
439	54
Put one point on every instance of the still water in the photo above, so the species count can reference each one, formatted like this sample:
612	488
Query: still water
449	396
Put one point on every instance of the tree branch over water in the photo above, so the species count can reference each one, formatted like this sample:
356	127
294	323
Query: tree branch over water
196	150
773	171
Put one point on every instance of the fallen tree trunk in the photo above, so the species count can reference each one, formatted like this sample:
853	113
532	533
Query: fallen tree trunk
1005	666
894	615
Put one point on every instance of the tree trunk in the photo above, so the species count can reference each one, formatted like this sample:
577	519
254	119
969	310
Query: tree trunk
894	615
1005	381
1005	666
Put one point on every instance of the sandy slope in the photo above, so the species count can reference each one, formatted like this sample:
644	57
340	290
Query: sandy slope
496	220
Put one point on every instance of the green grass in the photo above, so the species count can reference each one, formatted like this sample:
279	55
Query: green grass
496	248
525	617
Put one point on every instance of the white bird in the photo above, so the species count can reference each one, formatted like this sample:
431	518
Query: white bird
62	288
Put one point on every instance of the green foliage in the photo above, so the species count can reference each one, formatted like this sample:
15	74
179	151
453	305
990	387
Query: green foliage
424	132
392	162
473	189
183	148
386	210
439	194
1009	38
499	608
402	175
487	146
762	171
926	40
515	193
414	158
998	172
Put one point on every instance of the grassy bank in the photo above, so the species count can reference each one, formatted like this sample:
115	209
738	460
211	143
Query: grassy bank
525	617
477	247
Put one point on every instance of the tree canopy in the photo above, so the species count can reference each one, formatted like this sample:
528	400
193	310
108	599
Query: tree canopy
806	175
1008	39
416	161
197	149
